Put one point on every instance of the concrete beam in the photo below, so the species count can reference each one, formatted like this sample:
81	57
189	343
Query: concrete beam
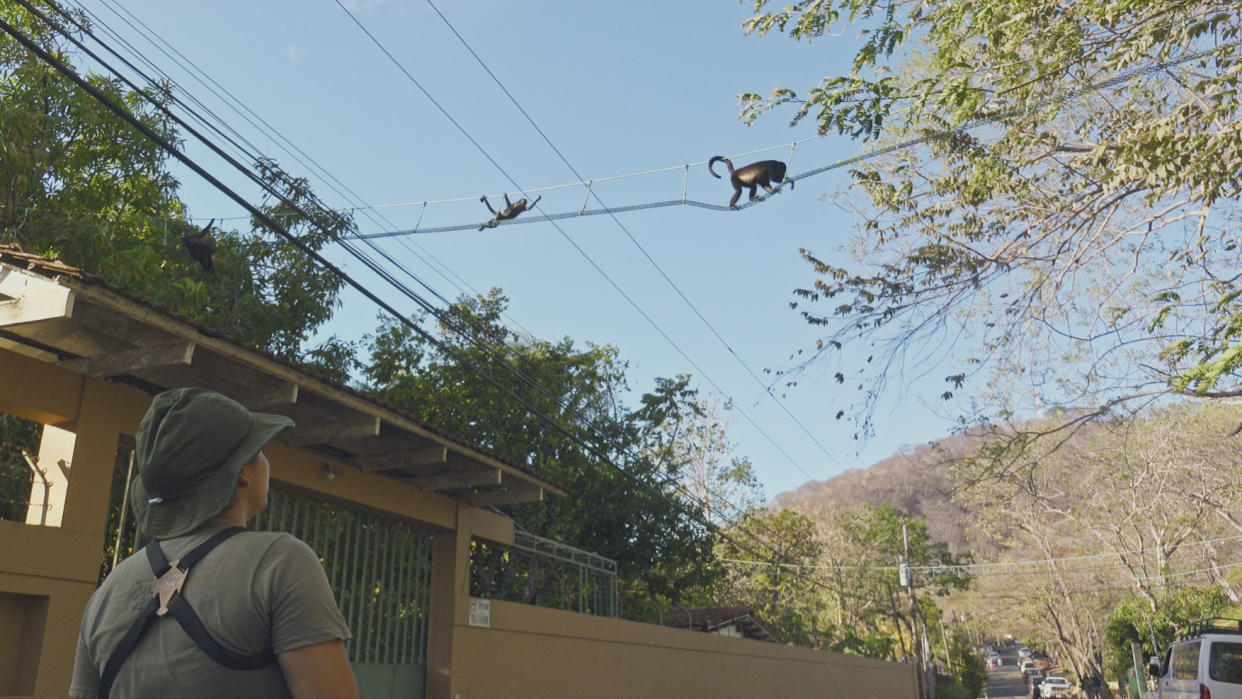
279	394
506	497
361	427
173	354
401	458
461	479
27	299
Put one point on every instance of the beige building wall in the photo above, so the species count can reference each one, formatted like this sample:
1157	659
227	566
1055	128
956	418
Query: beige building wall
48	571
535	652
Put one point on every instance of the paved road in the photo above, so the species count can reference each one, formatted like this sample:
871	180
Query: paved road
1005	682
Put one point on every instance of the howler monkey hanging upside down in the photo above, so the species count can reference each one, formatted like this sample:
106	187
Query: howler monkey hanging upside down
510	211
760	174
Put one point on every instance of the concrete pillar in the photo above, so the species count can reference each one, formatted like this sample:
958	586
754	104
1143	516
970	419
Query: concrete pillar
51	478
449	601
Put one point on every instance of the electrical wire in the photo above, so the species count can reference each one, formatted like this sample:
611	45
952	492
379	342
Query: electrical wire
262	216
256	155
253	154
972	567
767	389
290	148
1209	569
707	377
259	214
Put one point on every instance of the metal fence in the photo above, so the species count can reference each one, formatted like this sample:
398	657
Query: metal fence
545	573
379	569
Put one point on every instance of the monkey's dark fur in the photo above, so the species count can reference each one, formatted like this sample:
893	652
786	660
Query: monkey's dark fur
200	248
755	175
511	210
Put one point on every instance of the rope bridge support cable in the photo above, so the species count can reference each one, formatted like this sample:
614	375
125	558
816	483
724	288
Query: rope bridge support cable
587	200
901	145
568	214
551	217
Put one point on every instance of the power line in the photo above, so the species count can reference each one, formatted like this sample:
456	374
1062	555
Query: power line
290	148
970	567
570	240
610	178
259	214
444	320
262	216
447	321
765	387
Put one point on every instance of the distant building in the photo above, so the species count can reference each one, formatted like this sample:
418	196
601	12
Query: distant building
736	622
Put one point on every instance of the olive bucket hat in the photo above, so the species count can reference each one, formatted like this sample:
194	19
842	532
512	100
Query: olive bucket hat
191	446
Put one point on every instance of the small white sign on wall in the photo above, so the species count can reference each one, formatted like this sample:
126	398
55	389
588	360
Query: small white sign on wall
480	612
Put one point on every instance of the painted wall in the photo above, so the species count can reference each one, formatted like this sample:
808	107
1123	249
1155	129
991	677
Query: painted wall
48	571
534	652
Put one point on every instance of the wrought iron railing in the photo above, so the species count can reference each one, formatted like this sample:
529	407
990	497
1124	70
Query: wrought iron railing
545	573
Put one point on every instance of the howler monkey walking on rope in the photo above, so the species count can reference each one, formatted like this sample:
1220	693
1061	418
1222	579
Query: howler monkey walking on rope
760	174
510	211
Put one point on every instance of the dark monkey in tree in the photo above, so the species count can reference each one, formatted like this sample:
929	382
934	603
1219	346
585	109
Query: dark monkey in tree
200	248
755	175
511	210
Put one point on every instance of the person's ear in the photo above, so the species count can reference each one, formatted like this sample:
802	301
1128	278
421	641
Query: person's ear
243	477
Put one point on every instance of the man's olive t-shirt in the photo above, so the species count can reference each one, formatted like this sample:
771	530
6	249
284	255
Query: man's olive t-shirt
256	591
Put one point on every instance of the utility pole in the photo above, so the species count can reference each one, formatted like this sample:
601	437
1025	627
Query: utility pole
970	631
901	637
1138	682
906	579
948	657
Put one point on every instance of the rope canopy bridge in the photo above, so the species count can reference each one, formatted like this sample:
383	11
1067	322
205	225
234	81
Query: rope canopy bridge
683	201
1114	81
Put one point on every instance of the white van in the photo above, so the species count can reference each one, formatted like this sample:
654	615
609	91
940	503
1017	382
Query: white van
1205	664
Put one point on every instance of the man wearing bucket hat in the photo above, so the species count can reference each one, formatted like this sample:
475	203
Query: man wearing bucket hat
230	613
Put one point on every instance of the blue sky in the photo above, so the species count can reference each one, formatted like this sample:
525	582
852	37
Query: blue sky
618	88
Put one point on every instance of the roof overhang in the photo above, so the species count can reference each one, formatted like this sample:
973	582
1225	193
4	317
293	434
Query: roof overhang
55	314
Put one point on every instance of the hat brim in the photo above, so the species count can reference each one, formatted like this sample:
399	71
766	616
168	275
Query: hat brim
170	518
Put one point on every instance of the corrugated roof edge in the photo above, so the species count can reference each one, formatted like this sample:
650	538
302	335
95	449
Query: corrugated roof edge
13	253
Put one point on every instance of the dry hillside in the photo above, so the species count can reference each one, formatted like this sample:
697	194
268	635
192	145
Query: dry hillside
915	480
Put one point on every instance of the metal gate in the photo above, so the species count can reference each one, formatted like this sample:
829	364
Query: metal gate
379	569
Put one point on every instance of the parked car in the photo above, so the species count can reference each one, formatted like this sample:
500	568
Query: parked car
1055	686
1024	652
1026	666
1206	662
994	660
1033	682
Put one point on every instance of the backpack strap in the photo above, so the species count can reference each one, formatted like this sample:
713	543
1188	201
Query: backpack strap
166	598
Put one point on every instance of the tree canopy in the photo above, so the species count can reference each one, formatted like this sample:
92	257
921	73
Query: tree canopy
79	184
1057	226
628	502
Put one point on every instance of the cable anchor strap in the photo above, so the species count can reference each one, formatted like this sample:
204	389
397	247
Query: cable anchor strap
685	181
420	218
587	200
789	165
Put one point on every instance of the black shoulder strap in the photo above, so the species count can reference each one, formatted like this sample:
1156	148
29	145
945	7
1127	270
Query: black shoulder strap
183	613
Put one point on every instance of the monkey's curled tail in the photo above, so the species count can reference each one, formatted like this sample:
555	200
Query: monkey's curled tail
728	163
